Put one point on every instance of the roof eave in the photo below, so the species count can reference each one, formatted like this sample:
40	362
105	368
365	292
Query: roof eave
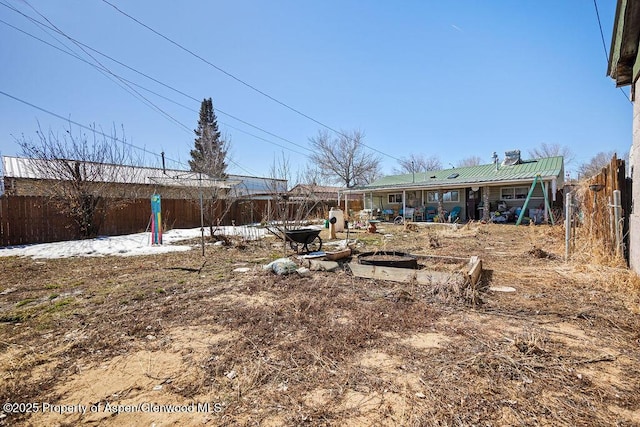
624	43
450	185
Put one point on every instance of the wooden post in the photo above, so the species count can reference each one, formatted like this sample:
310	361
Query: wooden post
346	208
567	226
617	214
612	229
486	212
201	212
547	209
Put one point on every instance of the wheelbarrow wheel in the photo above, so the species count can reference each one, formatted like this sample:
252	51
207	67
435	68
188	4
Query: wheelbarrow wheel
293	245
314	244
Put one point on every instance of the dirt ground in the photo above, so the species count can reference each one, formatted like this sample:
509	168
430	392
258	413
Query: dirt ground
165	340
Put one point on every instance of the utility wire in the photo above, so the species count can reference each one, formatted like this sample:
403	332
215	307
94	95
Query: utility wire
51	113
67	50
227	124
102	66
79	58
178	45
99	68
604	44
74	55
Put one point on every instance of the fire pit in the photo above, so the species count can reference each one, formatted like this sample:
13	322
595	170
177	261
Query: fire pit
388	259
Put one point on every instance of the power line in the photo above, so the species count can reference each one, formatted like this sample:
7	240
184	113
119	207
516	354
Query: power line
68	51
178	45
102	66
115	138
51	113
604	44
94	130
227	124
74	55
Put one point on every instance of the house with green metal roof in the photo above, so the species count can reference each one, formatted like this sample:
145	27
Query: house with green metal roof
499	185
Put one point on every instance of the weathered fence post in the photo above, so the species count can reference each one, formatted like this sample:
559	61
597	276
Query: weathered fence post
612	227
617	213
567	226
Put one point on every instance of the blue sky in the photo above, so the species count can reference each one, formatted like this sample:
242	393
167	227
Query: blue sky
437	78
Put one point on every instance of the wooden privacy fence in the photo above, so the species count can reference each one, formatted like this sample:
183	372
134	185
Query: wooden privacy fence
35	219
32	220
604	219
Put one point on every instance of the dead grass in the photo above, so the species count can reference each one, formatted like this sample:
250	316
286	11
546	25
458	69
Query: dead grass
327	349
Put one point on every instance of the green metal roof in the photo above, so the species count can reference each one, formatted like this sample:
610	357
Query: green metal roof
549	167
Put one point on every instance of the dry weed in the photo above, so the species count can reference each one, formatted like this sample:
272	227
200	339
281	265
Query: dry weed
332	349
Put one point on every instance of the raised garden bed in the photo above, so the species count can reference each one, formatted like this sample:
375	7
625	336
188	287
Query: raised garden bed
431	269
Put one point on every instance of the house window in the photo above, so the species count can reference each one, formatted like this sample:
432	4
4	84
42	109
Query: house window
452	196
510	193
506	193
521	192
395	198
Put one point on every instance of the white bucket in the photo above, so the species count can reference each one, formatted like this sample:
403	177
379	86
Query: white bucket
339	216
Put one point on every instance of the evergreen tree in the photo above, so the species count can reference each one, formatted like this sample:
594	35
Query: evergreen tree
210	150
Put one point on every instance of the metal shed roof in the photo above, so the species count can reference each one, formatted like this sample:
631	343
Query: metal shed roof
25	168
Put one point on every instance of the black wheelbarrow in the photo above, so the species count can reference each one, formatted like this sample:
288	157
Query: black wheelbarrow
309	238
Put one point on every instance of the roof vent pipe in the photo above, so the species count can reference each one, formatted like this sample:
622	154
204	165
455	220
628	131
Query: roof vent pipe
413	171
495	159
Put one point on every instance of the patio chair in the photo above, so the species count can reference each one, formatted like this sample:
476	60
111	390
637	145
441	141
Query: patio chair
418	215
430	213
454	215
408	214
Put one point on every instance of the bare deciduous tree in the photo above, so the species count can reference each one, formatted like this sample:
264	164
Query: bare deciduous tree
470	161
593	166
311	175
416	163
344	159
279	170
552	150
79	171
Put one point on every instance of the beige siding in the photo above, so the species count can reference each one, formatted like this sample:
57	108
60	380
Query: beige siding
537	198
